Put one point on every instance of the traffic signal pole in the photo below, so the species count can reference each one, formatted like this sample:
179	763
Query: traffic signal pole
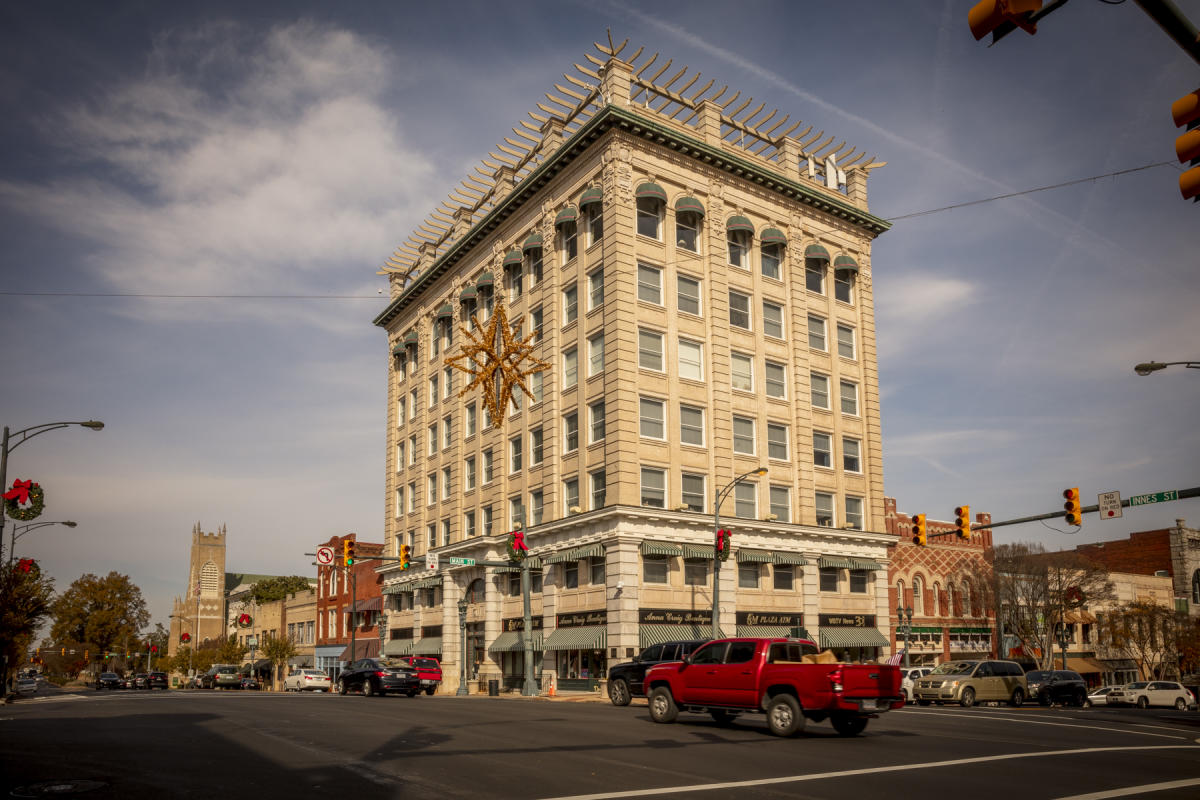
1182	494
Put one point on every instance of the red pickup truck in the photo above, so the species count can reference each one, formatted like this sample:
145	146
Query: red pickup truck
780	677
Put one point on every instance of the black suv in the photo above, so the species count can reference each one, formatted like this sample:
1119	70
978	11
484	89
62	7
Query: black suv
108	680
372	676
1061	686
156	680
625	680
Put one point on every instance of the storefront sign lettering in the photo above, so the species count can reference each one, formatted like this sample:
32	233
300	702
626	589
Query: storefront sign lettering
847	620
518	623
673	616
580	619
769	618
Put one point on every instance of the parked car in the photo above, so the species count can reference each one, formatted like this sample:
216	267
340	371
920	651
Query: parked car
108	680
250	682
156	680
26	685
222	676
373	677
967	682
127	682
428	669
1144	694
139	681
909	676
778	677
307	680
1097	696
625	681
1063	686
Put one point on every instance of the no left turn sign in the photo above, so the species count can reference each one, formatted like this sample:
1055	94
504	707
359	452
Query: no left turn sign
324	556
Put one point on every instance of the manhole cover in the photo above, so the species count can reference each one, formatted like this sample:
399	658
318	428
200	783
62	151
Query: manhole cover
56	788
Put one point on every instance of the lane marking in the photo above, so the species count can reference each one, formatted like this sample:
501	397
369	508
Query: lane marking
1128	790
1057	724
709	787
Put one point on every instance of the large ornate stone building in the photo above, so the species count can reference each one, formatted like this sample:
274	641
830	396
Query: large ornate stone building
200	611
697	276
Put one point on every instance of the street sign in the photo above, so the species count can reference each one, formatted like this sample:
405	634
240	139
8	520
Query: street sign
324	556
431	561
1154	497
1110	505
461	562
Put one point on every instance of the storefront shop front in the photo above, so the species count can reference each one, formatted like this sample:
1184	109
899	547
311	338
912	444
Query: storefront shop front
924	645
770	623
658	625
853	638
328	658
578	645
430	643
970	642
509	652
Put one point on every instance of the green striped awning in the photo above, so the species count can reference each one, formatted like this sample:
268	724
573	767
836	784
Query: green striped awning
485	280
513	258
446	312
864	563
468	294
398	647
926	629
411	337
764	630
761	556
836	562
593	195
398	588
426	583
845	262
739	223
534	562
698	551
661	549
658	634
429	646
773	236
794	559
534	242
568	214
837	636
559	557
586	637
514	642
399	348
650	189
577	553
816	251
689	204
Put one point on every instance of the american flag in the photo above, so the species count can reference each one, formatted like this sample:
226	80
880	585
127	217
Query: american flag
896	659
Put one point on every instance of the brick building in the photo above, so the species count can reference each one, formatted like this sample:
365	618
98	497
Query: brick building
348	606
1170	552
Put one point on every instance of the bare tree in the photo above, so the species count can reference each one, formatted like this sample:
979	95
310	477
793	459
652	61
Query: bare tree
1146	633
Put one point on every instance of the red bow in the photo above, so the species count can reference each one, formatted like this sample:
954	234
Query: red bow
518	542
25	565
20	491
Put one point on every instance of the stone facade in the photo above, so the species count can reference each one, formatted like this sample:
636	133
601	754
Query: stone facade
200	611
1171	552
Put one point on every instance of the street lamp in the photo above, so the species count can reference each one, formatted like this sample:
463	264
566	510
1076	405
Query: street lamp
720	496
1064	638
191	645
904	627
20	530
462	635
1147	367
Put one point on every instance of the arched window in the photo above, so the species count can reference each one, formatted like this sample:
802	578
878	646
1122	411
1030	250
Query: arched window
950	610
739	231
650	199
209	580
475	591
845	270
771	252
900	592
689	215
967	609
918	596
937	600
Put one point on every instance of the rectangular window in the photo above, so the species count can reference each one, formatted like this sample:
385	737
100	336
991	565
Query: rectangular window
648	216
743	435
412	450
816	333
488	520
654	487
814	275
598	488
654	569
688	295
739	310
469	524
650	284
469	429
570	368
687	231
596	565
447	382
512	277
772	320
596	421
571	432
824	504
401	406
568	241
691	360
570	304
829	579
771	256
820	390
412	403
431	480
399	500
596	354
571	495
401	367
781	503
595	289
534	265
535	322
652	414
858	581
570	574
469	474
433	391
776	380
695	572
748	574
854	513
784	577
691	425
516	512
841	286
433	439
595	223
431	534
535	447
447	437
741	372
536	384
412	497
777	441
446	483
650	350
692	491
739	248
399	456
822	449
536	507
489	466
515	454
845	336
849	397
851	462
745	497
445	532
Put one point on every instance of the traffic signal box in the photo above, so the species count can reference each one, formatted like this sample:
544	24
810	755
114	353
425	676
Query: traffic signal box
918	529
1186	112
405	556
1074	515
962	522
348	552
1000	17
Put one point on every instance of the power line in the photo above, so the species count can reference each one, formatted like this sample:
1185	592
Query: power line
201	296
1030	191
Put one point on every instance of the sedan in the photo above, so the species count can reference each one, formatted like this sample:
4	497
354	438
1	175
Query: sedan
250	682
371	676
1062	686
307	680
1144	694
108	680
1098	696
26	685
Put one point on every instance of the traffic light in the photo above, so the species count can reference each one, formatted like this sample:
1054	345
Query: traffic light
1074	511
348	551
64	652
962	521
918	529
405	555
1186	111
1001	17
87	655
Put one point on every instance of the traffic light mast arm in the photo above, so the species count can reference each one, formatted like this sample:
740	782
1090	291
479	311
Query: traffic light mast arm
1183	495
1176	25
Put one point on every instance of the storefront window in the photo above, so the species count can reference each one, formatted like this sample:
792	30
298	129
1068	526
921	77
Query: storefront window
695	571
748	575
654	569
571	574
829	579
783	577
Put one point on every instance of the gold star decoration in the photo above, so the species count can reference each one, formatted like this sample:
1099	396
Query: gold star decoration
497	361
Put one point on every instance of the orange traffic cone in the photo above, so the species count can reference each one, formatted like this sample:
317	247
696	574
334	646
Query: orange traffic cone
551	689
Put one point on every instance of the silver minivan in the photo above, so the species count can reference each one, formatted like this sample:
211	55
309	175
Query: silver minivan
969	682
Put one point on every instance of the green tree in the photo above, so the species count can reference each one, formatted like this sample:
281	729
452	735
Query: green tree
271	589
231	651
25	600
102	612
278	649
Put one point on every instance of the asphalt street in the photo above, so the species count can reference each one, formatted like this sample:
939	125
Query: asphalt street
246	744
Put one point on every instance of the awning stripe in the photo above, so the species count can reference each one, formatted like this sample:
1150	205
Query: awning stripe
691	204
411	337
835	562
429	646
593	195
816	251
398	349
739	223
764	630
864	563
513	642
534	242
513	258
398	588
837	636
745	554
697	551
568	214
446	312
485	280
650	189
794	559
846	263
398	647
658	634
650	548
587	637
426	583
773	236
468	293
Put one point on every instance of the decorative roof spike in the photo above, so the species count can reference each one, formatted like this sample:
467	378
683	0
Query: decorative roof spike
746	119
815	137
678	75
646	66
733	114
591	73
665	67
577	82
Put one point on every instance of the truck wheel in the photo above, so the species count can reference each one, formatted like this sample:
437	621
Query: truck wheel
342	687
411	693
662	705
847	725
618	692
783	715
723	717
924	702
1018	697
431	690
968	698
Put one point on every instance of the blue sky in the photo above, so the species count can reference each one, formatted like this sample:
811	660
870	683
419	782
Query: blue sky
224	149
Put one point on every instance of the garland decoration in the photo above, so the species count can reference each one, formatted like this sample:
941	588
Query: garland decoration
23	492
185	637
517	549
723	543
245	621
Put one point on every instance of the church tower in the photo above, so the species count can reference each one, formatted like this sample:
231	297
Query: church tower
200	611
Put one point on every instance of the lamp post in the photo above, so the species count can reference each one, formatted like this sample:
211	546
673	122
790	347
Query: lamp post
1064	639
20	530
718	499
462	636
1147	367
191	644
904	627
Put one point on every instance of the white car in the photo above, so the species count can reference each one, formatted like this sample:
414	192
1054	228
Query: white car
307	680
1097	697
909	675
27	685
1144	694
